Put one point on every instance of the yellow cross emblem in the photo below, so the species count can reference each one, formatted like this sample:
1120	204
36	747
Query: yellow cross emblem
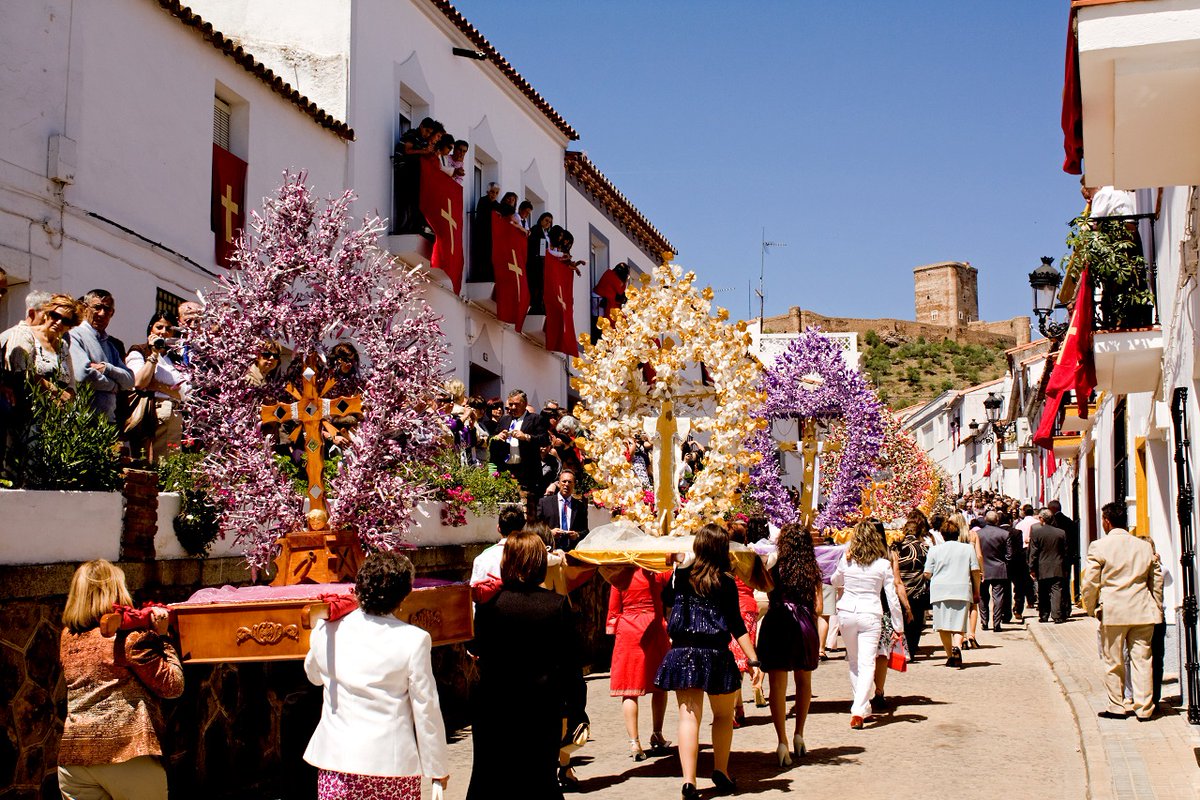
514	267
231	208
448	215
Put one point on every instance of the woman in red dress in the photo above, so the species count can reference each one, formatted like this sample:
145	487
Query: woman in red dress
635	617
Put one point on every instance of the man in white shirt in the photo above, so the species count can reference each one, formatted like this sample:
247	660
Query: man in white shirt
487	563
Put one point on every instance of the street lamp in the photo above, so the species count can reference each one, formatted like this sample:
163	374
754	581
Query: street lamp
1045	281
991	407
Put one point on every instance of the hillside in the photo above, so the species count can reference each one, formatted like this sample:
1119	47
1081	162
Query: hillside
906	371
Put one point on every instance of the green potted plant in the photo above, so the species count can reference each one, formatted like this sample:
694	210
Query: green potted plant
1111	251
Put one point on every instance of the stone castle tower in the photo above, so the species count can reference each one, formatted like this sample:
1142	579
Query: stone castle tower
947	294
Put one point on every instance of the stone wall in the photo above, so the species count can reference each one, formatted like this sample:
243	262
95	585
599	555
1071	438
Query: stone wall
946	294
999	334
239	730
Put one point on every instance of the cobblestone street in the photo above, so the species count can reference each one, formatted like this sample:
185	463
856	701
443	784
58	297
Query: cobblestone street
999	728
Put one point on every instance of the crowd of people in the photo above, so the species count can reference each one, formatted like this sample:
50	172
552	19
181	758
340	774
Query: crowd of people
689	631
429	139
63	345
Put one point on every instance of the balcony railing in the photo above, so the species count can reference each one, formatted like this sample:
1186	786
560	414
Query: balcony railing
1119	251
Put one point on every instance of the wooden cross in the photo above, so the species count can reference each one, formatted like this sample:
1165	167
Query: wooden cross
448	215
310	410
808	446
514	267
231	208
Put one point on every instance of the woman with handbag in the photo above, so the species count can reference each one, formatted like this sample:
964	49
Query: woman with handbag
788	639
110	744
529	674
704	618
952	572
381	725
865	571
155	421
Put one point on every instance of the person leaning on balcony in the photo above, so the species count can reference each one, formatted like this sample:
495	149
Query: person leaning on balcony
413	144
381	726
110	744
481	235
458	161
611	289
1122	587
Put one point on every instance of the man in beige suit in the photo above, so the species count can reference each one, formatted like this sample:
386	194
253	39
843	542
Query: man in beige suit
1122	586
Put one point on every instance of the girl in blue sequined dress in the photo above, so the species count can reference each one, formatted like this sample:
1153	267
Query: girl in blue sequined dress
704	618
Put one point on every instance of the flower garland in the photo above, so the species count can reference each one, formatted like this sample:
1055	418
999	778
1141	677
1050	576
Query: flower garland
916	482
300	276
839	393
667	324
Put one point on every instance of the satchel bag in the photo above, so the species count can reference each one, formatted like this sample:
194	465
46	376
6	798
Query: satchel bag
140	411
898	658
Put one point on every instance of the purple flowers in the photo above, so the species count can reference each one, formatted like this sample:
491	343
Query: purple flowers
302	278
811	380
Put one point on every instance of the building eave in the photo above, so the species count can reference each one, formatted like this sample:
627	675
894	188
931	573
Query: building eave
588	178
256	68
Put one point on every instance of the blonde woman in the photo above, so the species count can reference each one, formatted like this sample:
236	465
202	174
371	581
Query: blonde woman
110	743
864	571
42	347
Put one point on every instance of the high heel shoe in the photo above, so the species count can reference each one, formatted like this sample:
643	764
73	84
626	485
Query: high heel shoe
798	748
690	792
760	699
658	745
856	722
784	756
635	750
723	783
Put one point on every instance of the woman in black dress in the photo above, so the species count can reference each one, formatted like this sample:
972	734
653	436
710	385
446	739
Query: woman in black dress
788	639
704	617
528	673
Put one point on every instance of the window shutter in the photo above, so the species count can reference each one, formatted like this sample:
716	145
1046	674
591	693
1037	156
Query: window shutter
221	112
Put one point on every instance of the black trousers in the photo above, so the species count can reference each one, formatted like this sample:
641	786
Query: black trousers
1022	592
995	602
1054	601
914	629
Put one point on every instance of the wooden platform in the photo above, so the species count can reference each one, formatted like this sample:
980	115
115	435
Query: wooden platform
278	630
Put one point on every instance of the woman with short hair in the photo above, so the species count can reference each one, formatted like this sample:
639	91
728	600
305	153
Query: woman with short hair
41	348
863	572
110	744
156	420
529	674
381	724
704	618
952	570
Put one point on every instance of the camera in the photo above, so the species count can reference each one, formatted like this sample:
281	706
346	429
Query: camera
162	344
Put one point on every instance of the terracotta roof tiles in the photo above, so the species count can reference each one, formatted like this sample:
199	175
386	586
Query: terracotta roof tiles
256	68
589	178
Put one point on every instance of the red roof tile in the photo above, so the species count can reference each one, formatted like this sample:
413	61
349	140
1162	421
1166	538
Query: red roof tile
256	68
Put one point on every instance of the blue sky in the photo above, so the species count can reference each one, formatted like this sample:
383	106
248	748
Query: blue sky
871	137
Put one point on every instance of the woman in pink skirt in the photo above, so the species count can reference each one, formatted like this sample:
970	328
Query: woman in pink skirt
635	618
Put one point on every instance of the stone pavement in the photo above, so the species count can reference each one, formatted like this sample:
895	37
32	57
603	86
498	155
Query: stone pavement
1125	759
998	728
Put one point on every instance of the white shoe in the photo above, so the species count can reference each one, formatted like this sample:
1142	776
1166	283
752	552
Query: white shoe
798	746
785	758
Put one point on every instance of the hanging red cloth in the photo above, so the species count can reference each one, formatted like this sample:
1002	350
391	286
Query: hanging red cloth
1072	104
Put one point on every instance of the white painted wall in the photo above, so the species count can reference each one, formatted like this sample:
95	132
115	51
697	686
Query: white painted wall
142	151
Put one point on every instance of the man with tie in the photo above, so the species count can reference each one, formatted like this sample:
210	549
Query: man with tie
566	514
516	445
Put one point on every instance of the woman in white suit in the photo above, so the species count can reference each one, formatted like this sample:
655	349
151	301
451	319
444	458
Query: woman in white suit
381	727
864	571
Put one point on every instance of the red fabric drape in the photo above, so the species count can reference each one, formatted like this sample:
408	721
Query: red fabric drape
560	306
1075	368
441	202
1072	105
228	206
508	259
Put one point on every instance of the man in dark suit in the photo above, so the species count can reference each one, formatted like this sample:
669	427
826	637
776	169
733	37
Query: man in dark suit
995	595
1061	520
1018	570
1048	566
516	446
566	514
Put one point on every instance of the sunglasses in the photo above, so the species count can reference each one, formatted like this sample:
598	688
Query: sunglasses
57	317
266	354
